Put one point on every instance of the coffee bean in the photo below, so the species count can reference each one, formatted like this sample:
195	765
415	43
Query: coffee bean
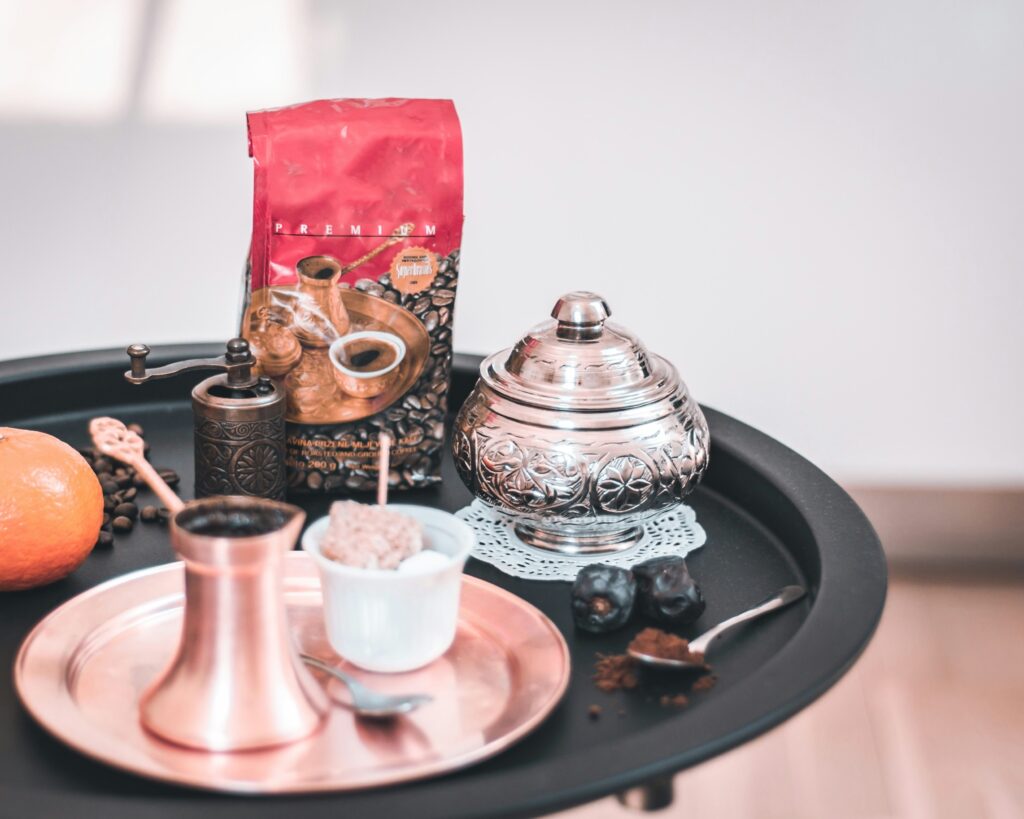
370	286
170	476
333	482
105	540
108	485
314	480
431	320
441	298
149	514
124	481
109	503
422	305
127	510
102	466
164	514
138	482
129	493
122	524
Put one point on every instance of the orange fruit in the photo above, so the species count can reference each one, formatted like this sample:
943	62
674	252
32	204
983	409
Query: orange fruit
51	509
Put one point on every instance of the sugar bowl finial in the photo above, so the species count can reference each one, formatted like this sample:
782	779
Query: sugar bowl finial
580	315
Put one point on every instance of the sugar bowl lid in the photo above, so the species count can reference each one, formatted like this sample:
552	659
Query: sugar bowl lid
578	360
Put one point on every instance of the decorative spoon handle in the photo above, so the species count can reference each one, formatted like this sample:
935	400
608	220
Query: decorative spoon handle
783	597
115	440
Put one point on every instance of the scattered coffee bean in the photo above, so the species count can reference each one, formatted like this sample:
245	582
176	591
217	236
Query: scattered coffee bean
105	540
164	514
126	510
149	514
122	524
170	476
129	493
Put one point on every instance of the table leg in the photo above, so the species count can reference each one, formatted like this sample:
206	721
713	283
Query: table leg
654	794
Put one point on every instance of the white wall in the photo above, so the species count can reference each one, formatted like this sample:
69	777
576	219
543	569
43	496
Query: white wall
812	208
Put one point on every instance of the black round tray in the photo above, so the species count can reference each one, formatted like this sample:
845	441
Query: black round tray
772	519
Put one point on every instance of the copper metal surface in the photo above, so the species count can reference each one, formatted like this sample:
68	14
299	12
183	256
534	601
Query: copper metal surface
235	682
81	672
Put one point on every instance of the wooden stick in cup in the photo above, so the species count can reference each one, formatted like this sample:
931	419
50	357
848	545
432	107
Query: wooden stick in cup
383	467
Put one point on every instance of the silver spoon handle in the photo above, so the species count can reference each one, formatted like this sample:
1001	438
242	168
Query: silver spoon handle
783	597
353	686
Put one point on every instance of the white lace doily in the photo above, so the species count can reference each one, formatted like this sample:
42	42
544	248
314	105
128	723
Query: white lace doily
673	532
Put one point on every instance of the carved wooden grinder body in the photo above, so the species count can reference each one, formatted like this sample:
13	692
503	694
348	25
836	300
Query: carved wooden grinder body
239	426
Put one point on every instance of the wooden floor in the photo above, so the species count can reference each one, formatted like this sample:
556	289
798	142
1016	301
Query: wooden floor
929	723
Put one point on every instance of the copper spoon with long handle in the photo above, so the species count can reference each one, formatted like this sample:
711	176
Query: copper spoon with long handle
115	440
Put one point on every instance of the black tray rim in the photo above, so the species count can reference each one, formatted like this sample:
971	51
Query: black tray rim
844	614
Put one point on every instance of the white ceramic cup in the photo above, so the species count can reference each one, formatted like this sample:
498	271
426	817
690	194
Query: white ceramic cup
369	383
386	620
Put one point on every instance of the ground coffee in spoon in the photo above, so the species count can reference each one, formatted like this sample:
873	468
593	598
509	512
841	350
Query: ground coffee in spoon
357	226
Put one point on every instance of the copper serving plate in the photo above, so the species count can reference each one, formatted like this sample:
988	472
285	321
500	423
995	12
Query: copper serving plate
81	670
366	312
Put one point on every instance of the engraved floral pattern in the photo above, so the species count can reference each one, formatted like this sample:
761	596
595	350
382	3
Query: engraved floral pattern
624	484
240	458
524	477
462	452
257	468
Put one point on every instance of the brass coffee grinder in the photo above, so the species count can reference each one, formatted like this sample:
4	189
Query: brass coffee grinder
238	422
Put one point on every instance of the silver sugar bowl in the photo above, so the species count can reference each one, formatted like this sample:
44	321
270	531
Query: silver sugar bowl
579	433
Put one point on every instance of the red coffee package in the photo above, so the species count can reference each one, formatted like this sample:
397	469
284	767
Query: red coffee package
350	288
